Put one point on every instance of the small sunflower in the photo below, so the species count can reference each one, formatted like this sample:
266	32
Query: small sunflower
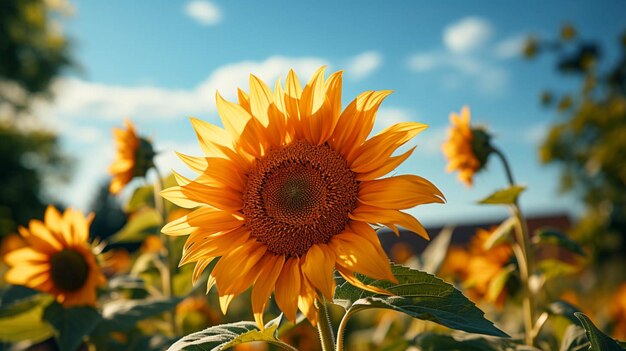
477	267
57	259
467	148
286	193
133	157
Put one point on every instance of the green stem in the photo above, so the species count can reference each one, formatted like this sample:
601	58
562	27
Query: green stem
324	327
342	328
524	256
505	163
167	276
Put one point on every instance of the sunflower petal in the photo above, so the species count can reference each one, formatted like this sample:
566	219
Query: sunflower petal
399	192
318	266
360	255
264	285
288	288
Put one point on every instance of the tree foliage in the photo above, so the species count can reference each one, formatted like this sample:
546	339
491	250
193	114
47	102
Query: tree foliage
34	50
589	141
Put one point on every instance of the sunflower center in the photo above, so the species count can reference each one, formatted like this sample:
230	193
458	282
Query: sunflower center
298	196
69	270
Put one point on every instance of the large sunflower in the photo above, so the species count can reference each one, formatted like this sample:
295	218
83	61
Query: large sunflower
57	259
467	148
132	159
286	192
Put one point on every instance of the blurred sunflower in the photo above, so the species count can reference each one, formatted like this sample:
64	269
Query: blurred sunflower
57	259
133	157
467	148
287	191
618	312
477	268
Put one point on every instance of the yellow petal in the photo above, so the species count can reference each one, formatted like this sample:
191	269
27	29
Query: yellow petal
350	278
260	99
209	219
372	214
377	150
360	255
233	116
211	137
288	288
400	192
264	285
318	266
199	268
387	166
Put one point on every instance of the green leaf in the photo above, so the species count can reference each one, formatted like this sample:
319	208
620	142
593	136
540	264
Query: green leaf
497	284
435	253
574	339
555	237
142	197
420	295
435	342
565	309
506	196
222	337
500	234
599	341
22	320
71	324
553	268
140	225
123	315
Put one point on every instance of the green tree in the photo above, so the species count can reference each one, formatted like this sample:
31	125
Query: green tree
589	141
33	52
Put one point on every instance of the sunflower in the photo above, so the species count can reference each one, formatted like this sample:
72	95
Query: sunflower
467	148
133	157
477	267
57	259
286	192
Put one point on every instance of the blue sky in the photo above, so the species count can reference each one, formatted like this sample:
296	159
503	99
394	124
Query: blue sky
159	62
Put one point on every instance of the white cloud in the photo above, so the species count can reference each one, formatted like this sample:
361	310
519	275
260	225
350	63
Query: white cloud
460	70
363	65
204	12
76	98
536	133
468	34
510	47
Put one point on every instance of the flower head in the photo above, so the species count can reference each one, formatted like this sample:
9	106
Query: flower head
467	148
477	267
133	157
286	192
57	259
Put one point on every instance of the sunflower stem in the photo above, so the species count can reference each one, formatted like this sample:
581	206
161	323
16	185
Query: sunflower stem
524	255
324	327
168	274
342	328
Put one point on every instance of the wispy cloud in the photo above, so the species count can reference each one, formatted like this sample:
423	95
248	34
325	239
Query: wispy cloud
467	35
460	63
77	98
510	47
363	65
204	12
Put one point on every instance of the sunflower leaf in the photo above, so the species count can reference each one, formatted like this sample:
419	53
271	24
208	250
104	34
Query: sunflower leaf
124	315
420	295
599	341
140	225
432	342
551	236
225	336
22	320
506	196
71	324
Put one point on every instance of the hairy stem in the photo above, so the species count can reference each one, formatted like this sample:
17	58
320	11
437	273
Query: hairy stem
342	329
324	327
